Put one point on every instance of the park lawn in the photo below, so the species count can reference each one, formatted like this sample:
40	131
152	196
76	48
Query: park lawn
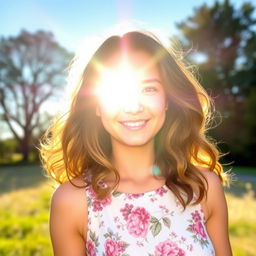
242	218
25	199
24	222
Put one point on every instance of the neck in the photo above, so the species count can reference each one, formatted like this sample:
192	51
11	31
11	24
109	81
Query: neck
133	163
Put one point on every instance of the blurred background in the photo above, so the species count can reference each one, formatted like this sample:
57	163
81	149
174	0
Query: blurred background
38	40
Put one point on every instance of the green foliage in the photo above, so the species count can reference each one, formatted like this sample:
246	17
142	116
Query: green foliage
7	148
226	36
250	108
245	170
221	32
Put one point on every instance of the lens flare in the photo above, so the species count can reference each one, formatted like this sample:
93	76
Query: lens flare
119	87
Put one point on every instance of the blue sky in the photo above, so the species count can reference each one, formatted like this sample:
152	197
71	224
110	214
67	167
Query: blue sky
72	21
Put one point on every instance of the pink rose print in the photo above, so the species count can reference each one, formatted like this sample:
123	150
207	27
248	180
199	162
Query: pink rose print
199	229
163	207
122	245
97	204
197	226
168	248
113	248
131	196
161	191
126	210
138	222
90	248
196	216
174	234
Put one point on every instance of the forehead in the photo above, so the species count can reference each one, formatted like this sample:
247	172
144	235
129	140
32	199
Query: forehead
137	61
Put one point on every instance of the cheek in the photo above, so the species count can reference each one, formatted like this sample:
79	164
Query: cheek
157	105
105	119
109	108
112	110
106	114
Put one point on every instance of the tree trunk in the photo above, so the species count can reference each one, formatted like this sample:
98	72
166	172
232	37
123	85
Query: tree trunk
25	148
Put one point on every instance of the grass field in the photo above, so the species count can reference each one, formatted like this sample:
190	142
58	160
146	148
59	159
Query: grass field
24	210
241	199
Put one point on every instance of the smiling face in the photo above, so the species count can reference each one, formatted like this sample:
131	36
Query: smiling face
131	99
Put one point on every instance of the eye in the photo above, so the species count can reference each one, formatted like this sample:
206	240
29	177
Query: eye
150	89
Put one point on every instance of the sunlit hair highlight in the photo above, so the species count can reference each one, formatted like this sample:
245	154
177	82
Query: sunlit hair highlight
76	144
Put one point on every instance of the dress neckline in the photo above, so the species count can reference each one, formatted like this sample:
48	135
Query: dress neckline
141	193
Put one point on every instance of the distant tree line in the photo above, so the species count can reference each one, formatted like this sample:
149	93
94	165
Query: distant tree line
32	71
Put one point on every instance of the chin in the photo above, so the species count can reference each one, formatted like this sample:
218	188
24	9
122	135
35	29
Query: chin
136	143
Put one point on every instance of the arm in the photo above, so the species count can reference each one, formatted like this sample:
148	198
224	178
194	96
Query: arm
68	221
217	222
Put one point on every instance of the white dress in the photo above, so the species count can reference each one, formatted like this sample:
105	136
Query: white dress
145	224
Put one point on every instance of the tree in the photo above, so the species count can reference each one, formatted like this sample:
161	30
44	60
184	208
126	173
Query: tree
226	37
222	33
32	68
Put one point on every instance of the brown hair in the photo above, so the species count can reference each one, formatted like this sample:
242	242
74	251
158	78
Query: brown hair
77	144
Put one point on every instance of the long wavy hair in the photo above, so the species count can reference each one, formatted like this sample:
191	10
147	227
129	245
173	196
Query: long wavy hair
76	144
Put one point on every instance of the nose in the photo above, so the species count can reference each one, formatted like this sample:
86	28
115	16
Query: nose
133	105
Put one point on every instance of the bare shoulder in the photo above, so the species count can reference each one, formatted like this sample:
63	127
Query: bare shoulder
70	200
67	192
69	196
215	206
213	181
215	196
68	218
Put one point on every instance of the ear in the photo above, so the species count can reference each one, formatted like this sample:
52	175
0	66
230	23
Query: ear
97	111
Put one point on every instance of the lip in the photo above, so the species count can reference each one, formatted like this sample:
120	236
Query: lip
133	121
134	128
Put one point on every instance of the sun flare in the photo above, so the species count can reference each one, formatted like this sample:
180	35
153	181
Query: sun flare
118	87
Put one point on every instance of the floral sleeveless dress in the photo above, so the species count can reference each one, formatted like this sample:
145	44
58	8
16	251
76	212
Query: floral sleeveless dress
145	224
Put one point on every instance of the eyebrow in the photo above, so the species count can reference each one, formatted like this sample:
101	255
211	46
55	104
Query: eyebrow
152	80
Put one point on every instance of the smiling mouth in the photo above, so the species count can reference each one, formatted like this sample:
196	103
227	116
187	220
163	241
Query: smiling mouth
134	124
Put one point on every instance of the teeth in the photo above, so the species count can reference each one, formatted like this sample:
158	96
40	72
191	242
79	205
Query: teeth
134	124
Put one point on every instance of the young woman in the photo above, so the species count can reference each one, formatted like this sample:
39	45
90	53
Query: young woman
138	174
